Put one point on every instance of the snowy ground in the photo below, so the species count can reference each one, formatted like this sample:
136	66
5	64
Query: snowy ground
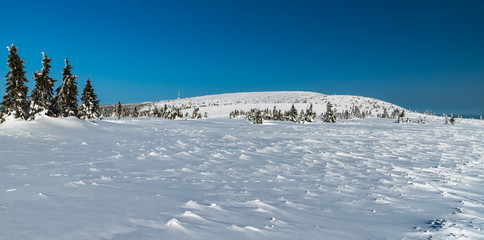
228	179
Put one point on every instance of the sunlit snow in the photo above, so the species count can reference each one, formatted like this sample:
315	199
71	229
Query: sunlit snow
220	178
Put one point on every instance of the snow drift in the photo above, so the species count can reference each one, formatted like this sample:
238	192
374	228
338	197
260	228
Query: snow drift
220	178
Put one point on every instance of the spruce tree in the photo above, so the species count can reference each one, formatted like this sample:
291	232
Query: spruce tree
401	116
66	99
275	114
301	117
293	114
452	119
135	112
15	101
310	114
89	107
156	112
118	110
258	117
385	113
42	96
356	112
164	112
195	113
329	117
346	114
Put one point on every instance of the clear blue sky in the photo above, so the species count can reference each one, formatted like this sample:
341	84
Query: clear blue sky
417	54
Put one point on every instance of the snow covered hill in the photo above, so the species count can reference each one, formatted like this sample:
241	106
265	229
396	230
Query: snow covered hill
219	106
152	178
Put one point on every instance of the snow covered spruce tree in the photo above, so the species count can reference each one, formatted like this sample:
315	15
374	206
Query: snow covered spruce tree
65	104
42	96
135	112
452	119
310	114
385	113
401	116
118	110
302	117
292	114
329	117
258	117
89	107
156	112
15	102
276	114
196	114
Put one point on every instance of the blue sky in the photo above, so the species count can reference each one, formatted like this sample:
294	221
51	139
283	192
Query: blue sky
417	54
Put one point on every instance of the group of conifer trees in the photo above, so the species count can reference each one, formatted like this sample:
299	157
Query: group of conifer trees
330	116
42	101
257	116
166	111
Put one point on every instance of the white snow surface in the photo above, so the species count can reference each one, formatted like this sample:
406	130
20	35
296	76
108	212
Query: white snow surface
152	178
220	105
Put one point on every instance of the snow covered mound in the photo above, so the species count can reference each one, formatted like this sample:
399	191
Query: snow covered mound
217	106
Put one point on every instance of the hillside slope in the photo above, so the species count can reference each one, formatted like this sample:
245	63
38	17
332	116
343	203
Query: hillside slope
217	106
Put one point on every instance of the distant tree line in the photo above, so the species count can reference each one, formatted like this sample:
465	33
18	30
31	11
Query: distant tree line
42	101
258	116
308	115
167	111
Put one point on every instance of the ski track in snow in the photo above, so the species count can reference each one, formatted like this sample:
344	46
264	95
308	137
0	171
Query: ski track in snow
228	179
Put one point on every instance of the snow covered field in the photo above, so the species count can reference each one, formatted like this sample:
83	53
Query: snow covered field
229	179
